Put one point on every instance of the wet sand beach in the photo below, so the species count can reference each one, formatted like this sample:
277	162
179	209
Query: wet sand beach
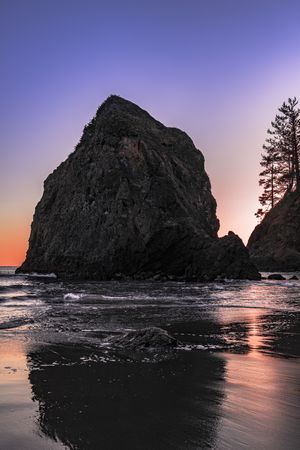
232	382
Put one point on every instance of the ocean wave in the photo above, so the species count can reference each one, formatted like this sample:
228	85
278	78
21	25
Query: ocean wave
283	283
207	347
15	323
40	275
12	287
115	297
71	296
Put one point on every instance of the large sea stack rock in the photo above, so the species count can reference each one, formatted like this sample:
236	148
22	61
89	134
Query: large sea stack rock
132	200
275	242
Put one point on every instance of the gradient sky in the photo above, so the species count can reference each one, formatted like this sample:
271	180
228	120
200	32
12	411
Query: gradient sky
216	69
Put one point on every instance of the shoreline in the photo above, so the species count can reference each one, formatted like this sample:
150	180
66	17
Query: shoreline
227	399
233	373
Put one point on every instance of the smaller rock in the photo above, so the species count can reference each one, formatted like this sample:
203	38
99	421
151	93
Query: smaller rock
146	338
228	258
294	277
276	276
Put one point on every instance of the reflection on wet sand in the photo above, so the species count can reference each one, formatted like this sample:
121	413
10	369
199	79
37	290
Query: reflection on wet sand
232	383
170	404
244	399
17	411
261	404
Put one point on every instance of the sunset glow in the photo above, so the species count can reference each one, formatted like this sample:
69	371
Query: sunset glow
149	224
13	242
220	84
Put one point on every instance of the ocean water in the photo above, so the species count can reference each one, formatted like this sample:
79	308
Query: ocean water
232	382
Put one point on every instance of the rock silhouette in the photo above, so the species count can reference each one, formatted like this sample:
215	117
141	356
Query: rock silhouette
132	201
275	242
276	276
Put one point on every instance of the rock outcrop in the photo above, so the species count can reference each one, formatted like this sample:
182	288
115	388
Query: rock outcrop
132	200
276	276
146	338
275	242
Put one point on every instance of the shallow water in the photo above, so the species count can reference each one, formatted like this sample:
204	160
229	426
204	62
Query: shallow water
231	383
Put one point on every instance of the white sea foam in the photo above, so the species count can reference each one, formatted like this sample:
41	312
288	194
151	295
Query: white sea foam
190	347
40	275
71	296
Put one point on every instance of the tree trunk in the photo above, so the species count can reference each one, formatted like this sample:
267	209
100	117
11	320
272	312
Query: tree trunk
295	154
272	185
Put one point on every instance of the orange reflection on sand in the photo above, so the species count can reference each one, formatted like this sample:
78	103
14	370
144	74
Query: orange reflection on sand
251	318
13	366
260	391
255	339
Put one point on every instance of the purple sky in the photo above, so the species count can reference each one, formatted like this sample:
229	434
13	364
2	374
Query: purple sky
217	69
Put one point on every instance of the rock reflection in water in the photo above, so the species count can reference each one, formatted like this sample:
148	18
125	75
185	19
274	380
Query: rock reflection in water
89	404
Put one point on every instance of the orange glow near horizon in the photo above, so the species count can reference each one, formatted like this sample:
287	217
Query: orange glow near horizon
216	80
14	236
15	229
13	242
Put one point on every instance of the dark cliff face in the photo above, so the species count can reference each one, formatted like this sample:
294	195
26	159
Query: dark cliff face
133	199
275	242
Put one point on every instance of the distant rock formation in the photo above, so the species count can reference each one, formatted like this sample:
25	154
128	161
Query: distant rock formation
275	242
133	200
